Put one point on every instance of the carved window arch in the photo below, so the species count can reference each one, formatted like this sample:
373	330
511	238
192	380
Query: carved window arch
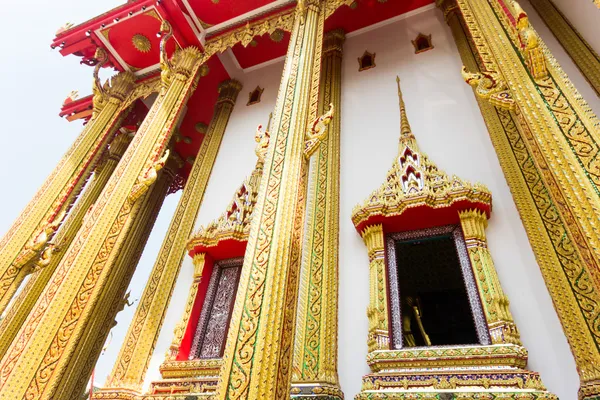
255	95
422	43
366	61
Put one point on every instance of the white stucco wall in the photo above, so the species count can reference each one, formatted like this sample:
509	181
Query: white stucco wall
561	55
584	15
449	128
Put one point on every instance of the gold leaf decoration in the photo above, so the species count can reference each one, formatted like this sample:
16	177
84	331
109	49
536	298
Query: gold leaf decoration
141	43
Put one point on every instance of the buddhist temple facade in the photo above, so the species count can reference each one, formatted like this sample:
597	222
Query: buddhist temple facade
376	199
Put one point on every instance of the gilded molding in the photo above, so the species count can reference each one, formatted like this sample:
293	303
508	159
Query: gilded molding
258	354
315	347
199	262
495	303
377	312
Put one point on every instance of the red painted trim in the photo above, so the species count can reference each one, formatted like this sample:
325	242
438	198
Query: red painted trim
423	217
188	336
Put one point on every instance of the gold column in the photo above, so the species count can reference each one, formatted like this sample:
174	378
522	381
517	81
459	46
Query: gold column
524	139
130	368
258	354
315	343
199	262
25	301
36	361
495	303
377	312
28	237
582	54
88	349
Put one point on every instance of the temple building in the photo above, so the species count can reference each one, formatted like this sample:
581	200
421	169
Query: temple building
377	200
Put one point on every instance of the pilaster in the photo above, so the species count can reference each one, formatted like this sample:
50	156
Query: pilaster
315	344
495	303
550	131
259	348
23	304
130	368
114	297
199	261
379	331
44	348
30	235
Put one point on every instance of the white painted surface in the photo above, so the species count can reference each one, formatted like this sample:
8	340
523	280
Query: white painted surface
584	15
448	126
562	57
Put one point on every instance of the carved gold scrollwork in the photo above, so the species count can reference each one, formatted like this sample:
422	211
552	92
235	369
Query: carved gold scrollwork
317	132
38	241
489	86
166	68
147	179
530	45
99	92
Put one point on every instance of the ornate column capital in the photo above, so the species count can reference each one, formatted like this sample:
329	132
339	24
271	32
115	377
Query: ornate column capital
448	7
373	238
334	41
473	223
121	85
228	91
199	261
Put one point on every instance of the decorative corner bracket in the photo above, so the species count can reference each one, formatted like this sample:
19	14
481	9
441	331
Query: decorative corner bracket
488	86
317	132
147	179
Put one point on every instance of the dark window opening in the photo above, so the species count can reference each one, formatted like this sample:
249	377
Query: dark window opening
366	61
434	303
254	96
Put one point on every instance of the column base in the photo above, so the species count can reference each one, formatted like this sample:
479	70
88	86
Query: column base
181	380
321	391
452	373
589	391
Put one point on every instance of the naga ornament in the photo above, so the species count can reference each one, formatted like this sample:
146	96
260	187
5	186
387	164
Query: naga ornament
146	180
37	244
317	132
488	86
166	68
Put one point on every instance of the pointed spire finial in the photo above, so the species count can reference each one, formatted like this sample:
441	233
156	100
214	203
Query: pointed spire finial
406	135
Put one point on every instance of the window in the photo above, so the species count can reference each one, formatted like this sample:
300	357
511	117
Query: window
434	300
422	43
211	332
254	96
367	61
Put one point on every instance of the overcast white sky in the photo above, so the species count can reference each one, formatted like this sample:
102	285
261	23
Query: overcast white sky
34	82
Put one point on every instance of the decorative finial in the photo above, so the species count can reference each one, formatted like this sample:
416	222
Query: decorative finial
406	135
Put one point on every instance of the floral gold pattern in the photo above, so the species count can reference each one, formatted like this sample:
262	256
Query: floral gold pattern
141	43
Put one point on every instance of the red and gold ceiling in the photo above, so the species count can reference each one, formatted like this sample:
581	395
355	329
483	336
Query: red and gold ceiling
129	35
